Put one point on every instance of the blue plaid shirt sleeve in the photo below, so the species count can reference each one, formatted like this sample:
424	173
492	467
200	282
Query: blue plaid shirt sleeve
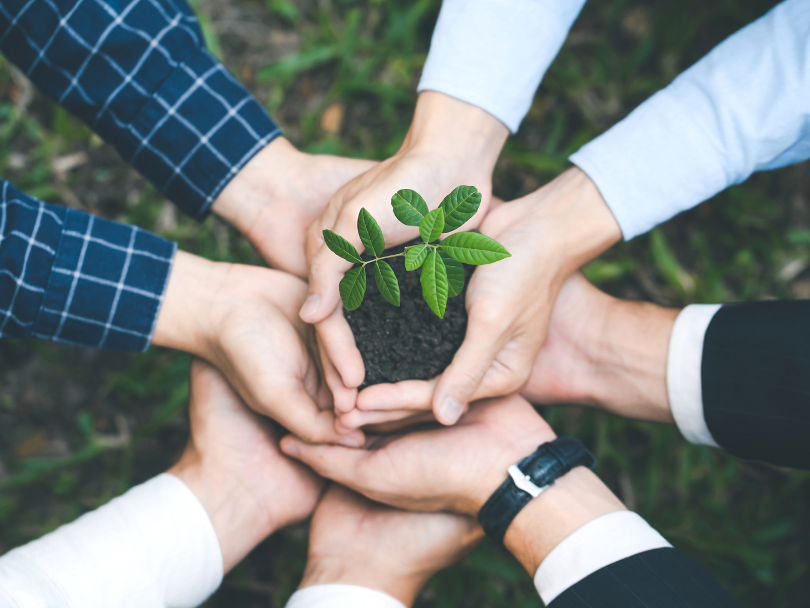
138	72
69	276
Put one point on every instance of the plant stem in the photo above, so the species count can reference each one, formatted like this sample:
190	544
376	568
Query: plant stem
396	255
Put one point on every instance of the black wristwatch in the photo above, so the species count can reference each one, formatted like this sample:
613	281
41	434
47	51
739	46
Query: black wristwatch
528	479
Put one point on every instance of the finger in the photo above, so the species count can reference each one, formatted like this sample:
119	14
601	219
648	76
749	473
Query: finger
409	394
356	419
337	340
343	397
386	428
460	381
341	464
327	269
301	416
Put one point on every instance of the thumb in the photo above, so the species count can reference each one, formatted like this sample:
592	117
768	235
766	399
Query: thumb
326	270
330	461
466	372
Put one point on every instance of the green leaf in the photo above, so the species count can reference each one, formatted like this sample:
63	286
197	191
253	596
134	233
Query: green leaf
341	247
434	283
370	233
459	206
387	281
353	288
474	248
431	227
409	207
455	274
415	256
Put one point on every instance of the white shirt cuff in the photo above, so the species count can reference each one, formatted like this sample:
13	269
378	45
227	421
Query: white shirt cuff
684	382
493	53
153	547
604	541
341	596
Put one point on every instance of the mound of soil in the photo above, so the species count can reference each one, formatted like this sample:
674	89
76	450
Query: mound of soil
409	342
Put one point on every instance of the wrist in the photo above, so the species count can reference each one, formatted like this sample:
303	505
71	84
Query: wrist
462	135
574	500
238	519
184	322
578	218
259	187
630	356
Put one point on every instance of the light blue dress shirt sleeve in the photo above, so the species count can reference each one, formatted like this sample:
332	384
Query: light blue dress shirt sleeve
744	107
494	53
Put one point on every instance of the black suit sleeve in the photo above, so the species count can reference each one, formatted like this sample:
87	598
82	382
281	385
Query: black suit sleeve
660	578
756	381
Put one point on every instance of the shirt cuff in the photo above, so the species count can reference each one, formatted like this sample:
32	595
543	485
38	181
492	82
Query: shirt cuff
195	133
599	543
106	285
152	547
493	54
684	381
341	596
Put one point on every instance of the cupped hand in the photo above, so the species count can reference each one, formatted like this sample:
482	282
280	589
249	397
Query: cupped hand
233	465
243	319
450	143
354	541
438	469
549	233
278	194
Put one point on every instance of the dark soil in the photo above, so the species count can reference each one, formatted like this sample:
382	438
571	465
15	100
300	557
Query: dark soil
409	342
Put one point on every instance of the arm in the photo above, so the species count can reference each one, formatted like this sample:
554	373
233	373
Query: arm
573	531
138	73
69	276
740	109
733	376
167	542
493	54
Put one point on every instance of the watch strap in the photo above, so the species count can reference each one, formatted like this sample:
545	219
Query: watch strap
550	461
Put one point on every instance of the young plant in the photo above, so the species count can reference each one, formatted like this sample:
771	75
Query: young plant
441	263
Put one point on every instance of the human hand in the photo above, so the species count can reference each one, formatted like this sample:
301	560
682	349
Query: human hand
550	233
450	143
278	194
604	352
234	467
243	319
457	469
353	541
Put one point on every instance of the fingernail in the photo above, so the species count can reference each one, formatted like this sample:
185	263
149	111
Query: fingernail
355	440
289	448
450	411
310	306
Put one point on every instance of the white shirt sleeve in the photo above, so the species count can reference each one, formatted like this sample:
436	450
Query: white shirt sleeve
684	381
604	541
742	108
494	53
153	547
341	596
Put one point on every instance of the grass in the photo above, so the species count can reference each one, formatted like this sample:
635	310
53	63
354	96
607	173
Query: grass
78	427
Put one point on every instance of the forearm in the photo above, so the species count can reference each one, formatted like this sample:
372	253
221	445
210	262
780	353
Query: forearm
493	54
78	278
710	128
154	546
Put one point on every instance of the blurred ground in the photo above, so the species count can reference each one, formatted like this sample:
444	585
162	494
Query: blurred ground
78	427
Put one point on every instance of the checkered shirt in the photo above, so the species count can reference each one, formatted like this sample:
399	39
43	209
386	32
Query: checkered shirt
69	276
138	72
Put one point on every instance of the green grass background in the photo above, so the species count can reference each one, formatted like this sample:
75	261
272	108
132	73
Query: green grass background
78	427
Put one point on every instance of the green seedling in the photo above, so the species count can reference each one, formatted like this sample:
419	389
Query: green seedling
441	263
